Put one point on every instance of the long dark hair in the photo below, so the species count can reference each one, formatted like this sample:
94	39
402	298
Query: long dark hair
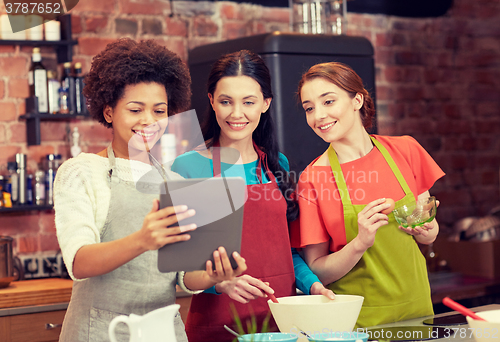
247	63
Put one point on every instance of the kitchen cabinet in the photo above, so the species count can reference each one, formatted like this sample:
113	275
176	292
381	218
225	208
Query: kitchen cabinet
34	327
33	310
46	326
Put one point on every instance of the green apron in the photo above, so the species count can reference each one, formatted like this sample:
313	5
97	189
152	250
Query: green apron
392	274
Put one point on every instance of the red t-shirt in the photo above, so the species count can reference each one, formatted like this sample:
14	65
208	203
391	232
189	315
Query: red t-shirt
367	179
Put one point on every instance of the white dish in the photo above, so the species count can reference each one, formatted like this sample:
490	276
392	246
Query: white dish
486	331
316	313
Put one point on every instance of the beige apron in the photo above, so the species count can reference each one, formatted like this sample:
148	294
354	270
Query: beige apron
136	287
392	274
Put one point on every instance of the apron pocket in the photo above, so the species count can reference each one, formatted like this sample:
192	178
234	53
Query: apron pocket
99	324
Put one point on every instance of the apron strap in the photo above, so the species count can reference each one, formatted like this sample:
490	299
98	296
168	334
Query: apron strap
112	162
111	156
392	165
339	176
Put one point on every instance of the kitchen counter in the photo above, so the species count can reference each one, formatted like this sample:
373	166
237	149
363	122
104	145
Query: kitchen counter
463	329
52	294
36	295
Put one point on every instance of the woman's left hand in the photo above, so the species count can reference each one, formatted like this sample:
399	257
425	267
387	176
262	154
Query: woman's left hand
423	230
202	280
223	268
420	230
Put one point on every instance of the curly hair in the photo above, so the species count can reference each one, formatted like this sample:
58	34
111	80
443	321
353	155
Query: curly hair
344	77
125	62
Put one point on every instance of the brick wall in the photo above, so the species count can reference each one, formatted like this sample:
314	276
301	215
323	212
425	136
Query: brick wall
438	79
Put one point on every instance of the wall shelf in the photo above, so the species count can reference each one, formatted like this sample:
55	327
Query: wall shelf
64	50
33	133
25	207
63	47
54	117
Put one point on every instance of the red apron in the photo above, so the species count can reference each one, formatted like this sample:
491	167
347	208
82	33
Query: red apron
265	245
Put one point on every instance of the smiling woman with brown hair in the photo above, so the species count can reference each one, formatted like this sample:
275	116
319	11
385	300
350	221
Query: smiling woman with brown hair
348	240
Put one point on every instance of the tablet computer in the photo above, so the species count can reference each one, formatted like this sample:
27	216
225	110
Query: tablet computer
219	204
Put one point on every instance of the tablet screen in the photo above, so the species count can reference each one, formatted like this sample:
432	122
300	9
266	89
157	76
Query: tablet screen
219	204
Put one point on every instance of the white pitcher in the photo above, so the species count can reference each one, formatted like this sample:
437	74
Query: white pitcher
155	326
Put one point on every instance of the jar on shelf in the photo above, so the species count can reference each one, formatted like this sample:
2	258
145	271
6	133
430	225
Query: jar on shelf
319	17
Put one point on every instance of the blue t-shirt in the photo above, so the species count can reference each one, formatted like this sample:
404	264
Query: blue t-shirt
194	165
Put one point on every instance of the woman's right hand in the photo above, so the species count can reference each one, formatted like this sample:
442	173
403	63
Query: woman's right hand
370	219
244	288
318	288
156	231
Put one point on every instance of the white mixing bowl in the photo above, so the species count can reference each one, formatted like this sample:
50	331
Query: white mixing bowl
486	331
316	313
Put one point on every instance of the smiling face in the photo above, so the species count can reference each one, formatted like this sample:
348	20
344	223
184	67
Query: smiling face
238	103
330	111
139	118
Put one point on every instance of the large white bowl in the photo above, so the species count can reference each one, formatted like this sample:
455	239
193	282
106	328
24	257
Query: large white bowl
486	331
316	313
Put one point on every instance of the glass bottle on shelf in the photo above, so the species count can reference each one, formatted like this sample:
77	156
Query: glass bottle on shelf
40	187
37	79
68	83
29	189
63	101
13	182
53	86
49	178
79	98
5	194
2	189
75	143
23	177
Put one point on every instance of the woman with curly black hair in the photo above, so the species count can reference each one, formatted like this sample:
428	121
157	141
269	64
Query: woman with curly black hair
108	231
240	93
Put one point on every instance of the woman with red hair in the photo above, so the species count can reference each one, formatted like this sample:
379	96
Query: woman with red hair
348	241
